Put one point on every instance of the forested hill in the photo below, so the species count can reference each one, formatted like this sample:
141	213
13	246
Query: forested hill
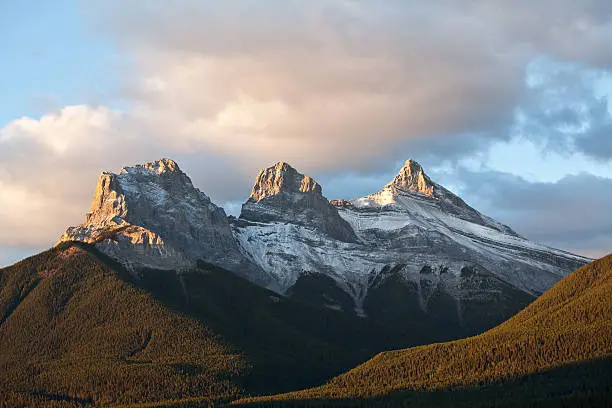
76	329
556	351
73	332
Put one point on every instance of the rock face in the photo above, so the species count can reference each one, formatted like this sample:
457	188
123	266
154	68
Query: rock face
413	250
416	244
412	178
412	185
281	194
151	216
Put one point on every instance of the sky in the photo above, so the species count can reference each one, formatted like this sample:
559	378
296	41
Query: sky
508	103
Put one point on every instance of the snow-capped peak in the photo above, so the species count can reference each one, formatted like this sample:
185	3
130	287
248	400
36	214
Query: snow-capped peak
412	178
413	192
282	194
151	216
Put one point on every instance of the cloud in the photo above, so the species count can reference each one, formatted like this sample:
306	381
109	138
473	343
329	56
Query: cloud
49	167
597	142
572	213
331	84
563	112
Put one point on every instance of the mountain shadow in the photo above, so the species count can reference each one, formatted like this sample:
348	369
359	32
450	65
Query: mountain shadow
567	333
577	385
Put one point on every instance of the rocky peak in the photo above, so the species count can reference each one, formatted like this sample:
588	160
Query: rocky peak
283	179
282	194
159	167
151	215
412	178
140	188
411	186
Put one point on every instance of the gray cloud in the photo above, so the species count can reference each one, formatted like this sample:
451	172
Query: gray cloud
597	142
562	111
572	214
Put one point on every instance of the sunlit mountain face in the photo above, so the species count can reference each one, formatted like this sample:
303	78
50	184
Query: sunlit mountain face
414	236
207	203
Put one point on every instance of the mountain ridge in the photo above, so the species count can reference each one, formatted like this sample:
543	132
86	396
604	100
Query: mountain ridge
273	300
445	257
413	224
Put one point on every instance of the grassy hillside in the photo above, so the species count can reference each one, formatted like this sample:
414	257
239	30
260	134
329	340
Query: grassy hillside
73	332
557	351
75	328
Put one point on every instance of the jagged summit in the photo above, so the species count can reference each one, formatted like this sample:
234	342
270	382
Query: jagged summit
160	166
282	194
151	216
410	181
283	179
135	190
413	193
412	178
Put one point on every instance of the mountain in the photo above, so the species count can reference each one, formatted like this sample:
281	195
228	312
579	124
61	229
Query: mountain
556	352
413	249
77	328
75	332
151	216
281	194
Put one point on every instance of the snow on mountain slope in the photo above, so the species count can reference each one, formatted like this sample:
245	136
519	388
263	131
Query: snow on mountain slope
411	225
281	193
412	243
151	216
413	190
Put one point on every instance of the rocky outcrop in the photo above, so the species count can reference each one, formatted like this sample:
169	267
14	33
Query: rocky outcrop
417	229
411	178
340	203
151	216
412	247
282	194
413	191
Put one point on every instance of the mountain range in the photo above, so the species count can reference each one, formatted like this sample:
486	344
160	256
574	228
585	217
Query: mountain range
412	250
160	299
